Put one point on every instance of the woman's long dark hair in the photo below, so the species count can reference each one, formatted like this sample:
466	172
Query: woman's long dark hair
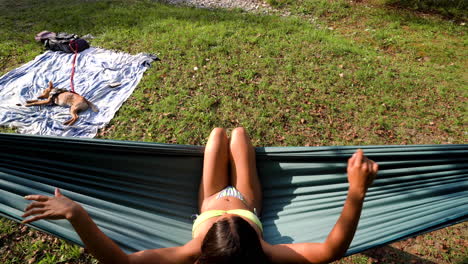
231	240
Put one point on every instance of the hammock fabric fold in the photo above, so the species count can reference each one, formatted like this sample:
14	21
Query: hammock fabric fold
143	195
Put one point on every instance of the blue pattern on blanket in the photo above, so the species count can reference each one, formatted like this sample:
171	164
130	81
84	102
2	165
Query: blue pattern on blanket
96	69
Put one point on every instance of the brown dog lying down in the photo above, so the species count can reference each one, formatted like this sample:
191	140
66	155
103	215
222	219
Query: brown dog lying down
62	97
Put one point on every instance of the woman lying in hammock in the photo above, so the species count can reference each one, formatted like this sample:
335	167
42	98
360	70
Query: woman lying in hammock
228	229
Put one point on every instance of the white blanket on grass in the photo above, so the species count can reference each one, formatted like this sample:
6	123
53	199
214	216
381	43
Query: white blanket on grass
95	69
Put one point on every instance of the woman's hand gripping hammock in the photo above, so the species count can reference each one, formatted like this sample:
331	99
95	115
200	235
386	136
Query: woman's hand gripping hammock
61	207
98	244
46	207
361	173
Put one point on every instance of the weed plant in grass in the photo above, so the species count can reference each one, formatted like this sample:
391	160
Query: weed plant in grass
20	245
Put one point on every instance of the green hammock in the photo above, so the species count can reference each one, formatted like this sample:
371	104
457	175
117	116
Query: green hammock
143	195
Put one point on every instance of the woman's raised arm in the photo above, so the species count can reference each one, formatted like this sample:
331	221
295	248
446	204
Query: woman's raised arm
98	244
61	207
361	174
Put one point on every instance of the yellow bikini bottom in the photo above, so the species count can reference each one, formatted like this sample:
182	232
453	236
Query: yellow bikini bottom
214	213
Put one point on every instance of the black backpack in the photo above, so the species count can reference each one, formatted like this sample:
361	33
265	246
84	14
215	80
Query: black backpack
65	42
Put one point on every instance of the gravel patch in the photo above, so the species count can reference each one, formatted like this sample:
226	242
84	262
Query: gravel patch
247	5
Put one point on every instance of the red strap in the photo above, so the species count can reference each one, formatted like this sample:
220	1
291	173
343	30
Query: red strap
75	49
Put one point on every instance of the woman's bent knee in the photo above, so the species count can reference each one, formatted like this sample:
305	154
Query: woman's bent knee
239	132
217	137
218	133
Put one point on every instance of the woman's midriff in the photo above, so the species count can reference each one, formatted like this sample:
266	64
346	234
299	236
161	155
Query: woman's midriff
224	203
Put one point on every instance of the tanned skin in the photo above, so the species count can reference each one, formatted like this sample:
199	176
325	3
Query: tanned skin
361	173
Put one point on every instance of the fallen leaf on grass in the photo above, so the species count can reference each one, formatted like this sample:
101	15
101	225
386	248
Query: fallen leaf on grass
430	242
442	247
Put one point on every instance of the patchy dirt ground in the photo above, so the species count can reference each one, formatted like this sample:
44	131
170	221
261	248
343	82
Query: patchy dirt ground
445	246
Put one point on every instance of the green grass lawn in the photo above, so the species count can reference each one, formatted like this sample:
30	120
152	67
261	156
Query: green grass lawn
328	73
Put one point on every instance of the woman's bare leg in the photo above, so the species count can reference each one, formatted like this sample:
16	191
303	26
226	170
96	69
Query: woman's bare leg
244	169
215	165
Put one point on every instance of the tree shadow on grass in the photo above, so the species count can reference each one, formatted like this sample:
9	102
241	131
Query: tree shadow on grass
389	254
84	17
448	9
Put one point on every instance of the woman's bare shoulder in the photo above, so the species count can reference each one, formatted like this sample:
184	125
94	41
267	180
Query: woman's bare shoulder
187	253
295	253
